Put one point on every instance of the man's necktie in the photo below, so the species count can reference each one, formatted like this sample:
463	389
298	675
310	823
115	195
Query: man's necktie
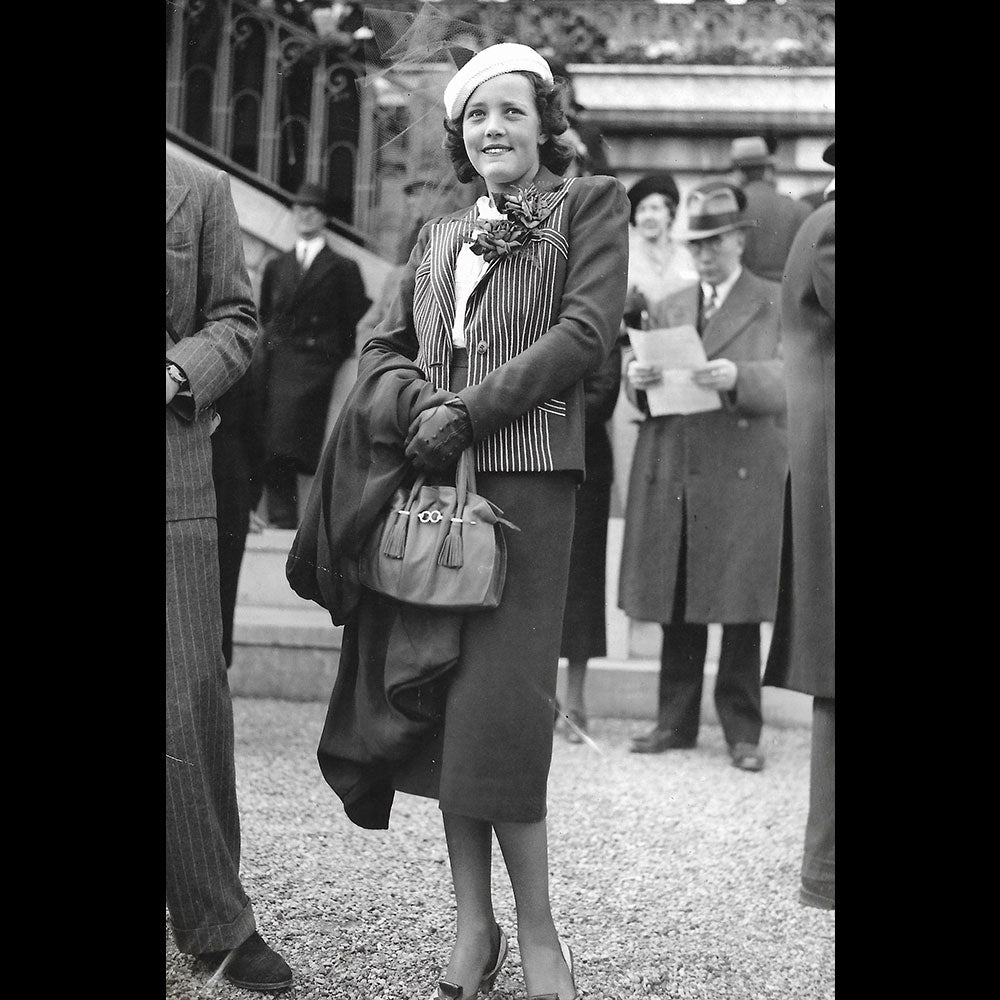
708	308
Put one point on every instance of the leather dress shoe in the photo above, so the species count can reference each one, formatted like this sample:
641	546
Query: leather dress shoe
658	740
252	965
747	757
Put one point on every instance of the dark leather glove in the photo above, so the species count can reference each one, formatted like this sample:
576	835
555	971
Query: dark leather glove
438	436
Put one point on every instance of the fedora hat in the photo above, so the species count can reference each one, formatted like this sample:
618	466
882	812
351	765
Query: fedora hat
828	154
661	183
310	194
750	151
713	208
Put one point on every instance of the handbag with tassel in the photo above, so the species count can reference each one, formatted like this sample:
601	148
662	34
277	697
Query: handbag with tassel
439	546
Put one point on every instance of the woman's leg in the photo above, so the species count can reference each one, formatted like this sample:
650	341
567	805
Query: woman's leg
525	852
470	845
576	674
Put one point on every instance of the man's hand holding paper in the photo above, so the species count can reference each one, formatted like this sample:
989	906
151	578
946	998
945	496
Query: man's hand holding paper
718	374
665	367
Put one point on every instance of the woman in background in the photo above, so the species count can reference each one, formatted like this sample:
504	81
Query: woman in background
584	633
657	266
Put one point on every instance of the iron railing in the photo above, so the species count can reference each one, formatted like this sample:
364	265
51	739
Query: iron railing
263	93
279	102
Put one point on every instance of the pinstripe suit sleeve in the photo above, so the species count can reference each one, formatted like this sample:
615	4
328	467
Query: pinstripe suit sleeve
590	311
219	352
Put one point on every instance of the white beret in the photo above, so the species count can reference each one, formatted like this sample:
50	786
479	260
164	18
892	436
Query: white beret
495	60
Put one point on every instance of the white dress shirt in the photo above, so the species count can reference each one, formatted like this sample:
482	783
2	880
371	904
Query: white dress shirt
306	250
722	289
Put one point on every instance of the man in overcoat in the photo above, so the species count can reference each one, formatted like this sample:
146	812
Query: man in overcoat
311	299
776	217
703	517
211	328
802	651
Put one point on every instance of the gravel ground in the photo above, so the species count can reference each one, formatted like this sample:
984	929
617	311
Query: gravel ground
673	876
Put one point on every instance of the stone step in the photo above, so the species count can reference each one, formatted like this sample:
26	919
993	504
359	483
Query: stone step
293	653
262	573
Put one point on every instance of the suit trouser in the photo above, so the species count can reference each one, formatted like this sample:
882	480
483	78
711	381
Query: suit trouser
232	497
281	479
209	911
682	671
818	857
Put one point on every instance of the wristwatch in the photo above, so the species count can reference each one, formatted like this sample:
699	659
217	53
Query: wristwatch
177	375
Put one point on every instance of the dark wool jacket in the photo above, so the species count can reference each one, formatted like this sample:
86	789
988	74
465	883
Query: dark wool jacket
385	697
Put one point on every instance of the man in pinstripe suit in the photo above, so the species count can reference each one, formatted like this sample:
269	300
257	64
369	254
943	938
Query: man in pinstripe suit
211	328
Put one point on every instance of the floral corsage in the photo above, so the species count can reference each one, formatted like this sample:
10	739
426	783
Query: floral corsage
496	238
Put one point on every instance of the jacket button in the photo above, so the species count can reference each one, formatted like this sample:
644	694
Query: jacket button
743	423
481	347
742	473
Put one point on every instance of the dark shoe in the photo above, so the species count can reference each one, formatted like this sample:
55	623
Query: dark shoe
449	991
747	757
252	965
576	723
568	958
658	740
818	894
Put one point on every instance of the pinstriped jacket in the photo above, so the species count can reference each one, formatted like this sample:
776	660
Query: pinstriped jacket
210	305
535	324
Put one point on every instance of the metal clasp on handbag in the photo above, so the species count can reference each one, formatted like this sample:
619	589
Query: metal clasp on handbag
451	548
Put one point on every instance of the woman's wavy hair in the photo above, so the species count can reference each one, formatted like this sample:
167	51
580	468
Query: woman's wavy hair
555	153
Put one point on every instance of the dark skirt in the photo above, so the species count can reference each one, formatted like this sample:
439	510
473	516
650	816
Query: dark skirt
490	757
584	631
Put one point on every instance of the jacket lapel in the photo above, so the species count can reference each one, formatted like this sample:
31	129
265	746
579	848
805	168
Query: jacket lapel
175	196
446	241
318	270
732	318
553	190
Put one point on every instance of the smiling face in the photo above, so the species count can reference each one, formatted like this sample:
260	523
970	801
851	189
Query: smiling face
502	132
653	216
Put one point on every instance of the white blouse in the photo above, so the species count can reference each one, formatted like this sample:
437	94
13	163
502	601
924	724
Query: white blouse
469	268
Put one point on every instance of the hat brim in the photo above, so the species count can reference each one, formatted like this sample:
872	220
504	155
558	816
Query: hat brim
752	161
692	235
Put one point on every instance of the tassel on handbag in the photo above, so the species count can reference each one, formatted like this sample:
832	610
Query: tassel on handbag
395	540
439	546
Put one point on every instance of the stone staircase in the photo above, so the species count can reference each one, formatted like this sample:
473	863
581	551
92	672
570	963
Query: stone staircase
285	647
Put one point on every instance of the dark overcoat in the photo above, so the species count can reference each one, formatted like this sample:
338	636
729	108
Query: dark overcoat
777	219
309	323
728	466
802	648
